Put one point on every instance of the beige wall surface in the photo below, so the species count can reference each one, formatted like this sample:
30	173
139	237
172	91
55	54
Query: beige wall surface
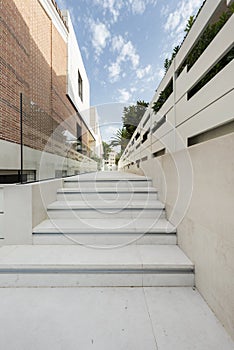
197	185
206	233
22	207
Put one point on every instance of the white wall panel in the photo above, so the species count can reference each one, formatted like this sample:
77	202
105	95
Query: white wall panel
220	45
217	87
197	28
75	64
218	113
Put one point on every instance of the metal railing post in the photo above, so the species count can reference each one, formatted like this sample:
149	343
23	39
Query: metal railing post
21	138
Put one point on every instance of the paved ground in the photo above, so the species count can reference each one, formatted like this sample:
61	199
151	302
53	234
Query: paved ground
108	319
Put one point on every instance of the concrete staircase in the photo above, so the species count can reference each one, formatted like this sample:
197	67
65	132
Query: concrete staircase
105	229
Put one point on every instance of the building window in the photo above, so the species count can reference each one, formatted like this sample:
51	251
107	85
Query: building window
80	86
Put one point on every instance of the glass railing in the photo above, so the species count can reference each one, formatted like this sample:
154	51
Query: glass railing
49	147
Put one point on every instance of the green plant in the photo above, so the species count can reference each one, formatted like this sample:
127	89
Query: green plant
132	116
121	139
163	96
189	24
167	61
208	35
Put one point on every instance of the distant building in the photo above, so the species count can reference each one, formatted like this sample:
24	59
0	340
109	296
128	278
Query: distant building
109	164
95	126
44	88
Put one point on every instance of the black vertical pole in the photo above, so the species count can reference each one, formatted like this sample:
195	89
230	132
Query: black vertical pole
21	138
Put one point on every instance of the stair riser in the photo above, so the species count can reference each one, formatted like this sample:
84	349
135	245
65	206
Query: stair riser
97	280
94	214
106	197
100	240
108	184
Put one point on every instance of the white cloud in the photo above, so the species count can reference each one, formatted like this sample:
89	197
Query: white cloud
172	21
100	35
142	72
124	95
114	71
114	7
160	73
165	10
156	75
139	6
126	53
111	6
175	22
177	19
117	43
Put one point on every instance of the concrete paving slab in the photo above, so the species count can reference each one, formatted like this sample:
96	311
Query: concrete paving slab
181	319
108	318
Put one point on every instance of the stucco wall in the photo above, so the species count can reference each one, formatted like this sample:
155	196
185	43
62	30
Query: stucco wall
22	207
197	185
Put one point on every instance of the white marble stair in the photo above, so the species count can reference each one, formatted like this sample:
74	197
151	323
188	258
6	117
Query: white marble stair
106	229
101	232
106	194
116	181
107	210
73	265
118	217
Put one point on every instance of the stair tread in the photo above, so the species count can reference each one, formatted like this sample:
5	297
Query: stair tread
113	179
129	257
104	226
102	176
152	204
107	190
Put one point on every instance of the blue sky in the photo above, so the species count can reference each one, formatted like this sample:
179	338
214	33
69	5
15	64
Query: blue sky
124	44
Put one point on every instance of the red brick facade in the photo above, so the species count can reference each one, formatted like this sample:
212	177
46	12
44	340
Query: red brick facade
33	60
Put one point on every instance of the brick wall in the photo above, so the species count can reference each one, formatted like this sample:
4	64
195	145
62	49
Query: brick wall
15	68
33	60
40	30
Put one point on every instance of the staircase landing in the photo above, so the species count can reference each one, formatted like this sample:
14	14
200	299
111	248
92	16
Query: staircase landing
108	318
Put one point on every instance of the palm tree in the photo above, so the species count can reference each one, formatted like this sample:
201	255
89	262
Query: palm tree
121	139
